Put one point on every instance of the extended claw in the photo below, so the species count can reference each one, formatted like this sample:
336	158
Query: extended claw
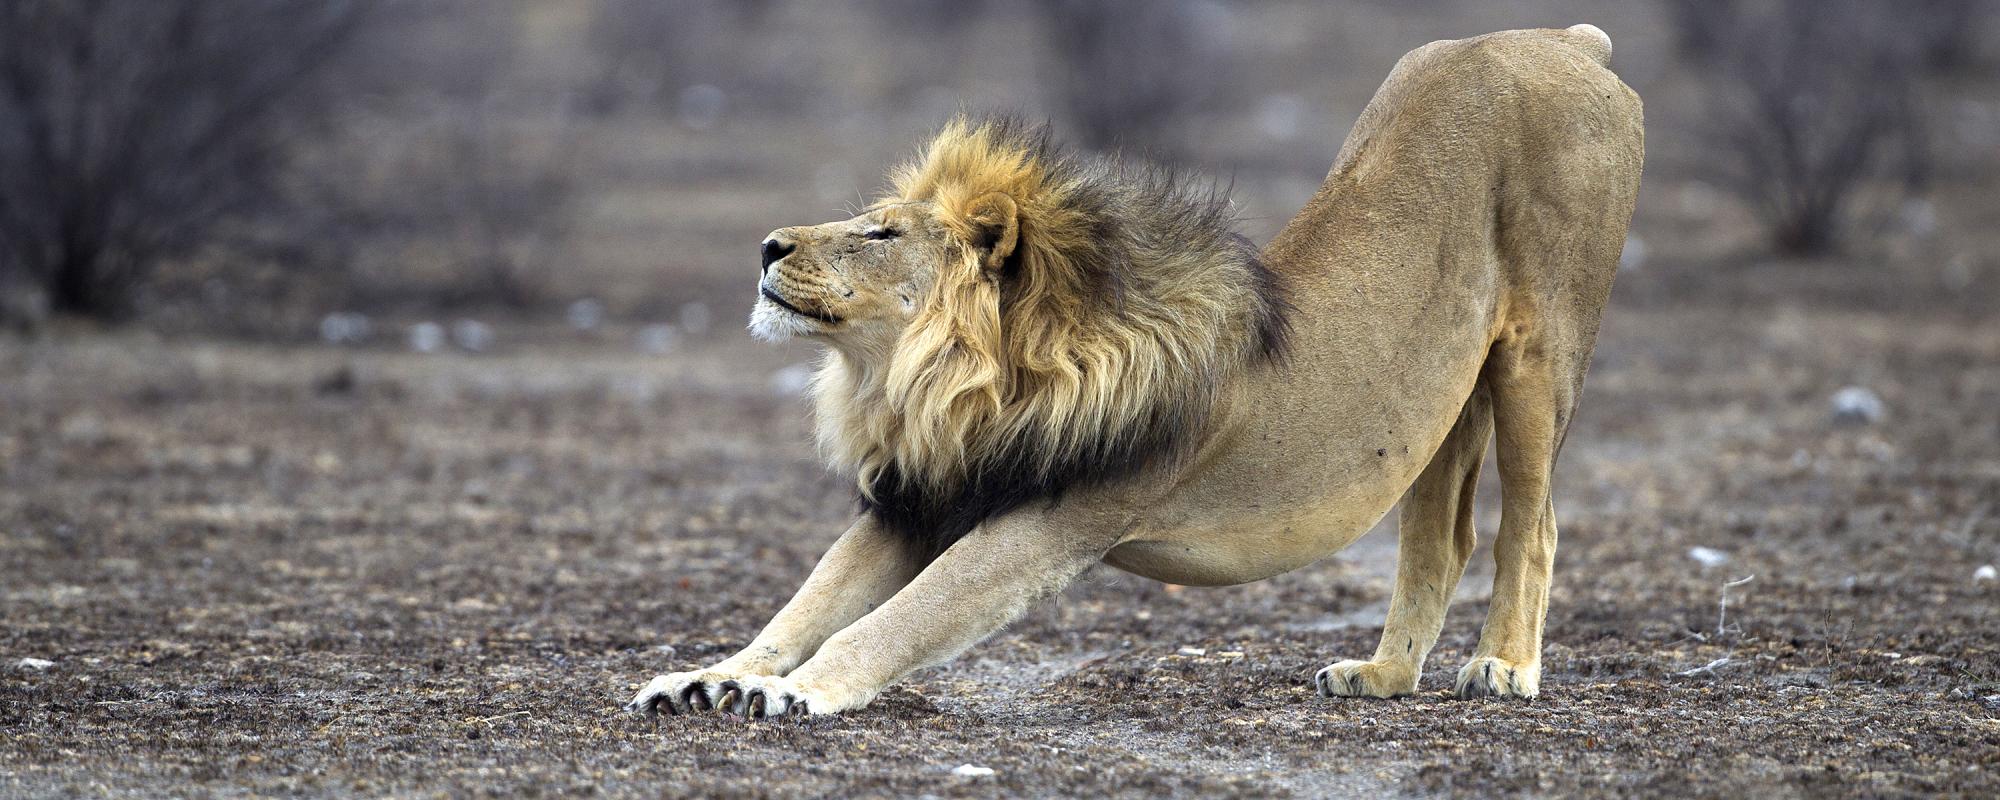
762	698
676	694
648	702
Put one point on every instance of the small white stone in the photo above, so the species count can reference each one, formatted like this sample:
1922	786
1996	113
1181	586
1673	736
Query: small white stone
1708	557
35	663
1856	404
585	314
344	327
972	771
426	337
1194	651
1985	573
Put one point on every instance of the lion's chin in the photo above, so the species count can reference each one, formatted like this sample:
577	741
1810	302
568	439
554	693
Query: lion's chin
770	323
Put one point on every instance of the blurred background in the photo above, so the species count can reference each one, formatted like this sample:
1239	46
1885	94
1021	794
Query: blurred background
350	169
376	413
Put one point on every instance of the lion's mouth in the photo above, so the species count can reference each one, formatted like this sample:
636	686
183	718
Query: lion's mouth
820	315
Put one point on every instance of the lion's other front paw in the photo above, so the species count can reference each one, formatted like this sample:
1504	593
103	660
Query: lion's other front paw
1494	677
1366	679
761	697
681	692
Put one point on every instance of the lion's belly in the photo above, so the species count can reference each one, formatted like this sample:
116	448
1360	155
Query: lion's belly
1248	547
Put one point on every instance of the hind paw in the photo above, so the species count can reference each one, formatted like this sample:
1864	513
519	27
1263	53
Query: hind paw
1495	677
1366	679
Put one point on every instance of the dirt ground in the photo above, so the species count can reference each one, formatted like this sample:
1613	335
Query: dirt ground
302	570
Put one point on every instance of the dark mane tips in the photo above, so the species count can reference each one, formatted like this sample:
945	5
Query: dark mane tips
1127	302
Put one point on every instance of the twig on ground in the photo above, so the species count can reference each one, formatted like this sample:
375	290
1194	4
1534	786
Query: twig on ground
1722	611
1706	669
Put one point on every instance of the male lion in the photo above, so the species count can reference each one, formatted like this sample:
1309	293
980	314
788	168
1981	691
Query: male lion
1038	361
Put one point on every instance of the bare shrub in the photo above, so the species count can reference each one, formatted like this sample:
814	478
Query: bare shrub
132	133
1700	26
1946	32
1937	35
1130	68
1818	105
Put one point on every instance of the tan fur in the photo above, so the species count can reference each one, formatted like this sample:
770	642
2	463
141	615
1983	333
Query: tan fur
1446	282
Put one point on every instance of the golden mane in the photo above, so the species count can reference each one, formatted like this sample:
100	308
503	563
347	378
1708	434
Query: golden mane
1125	301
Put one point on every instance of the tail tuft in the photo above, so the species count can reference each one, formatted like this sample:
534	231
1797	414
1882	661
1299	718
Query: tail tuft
1593	40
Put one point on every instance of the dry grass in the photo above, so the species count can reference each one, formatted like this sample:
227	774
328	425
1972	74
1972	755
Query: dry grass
286	569
444	574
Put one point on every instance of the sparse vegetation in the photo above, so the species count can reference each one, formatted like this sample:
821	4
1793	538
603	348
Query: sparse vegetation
1820	103
135	133
423	536
335	571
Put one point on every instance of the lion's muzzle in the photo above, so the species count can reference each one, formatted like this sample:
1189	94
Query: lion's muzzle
775	248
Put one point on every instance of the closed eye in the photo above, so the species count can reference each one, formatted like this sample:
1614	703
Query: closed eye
878	234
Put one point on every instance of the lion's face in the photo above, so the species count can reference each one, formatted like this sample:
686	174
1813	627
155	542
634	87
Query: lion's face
854	282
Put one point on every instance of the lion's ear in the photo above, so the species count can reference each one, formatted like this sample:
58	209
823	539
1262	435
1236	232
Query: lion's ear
996	228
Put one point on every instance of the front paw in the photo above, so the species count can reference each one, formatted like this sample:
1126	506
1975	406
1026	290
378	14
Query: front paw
766	696
682	692
1494	677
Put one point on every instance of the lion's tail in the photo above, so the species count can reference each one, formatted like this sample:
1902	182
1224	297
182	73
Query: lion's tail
1592	40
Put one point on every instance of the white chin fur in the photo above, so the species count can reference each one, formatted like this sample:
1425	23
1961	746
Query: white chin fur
773	324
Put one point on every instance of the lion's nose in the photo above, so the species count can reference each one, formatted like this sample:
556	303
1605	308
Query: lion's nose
774	249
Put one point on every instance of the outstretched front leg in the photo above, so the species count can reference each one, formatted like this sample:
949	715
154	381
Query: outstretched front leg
982	582
862	569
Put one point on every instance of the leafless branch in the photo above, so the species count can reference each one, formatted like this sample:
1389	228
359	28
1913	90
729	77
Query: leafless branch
131	133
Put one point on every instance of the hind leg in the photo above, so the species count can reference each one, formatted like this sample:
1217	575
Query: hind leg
1434	540
1533	396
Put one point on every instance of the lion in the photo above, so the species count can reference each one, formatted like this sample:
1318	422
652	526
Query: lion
1037	361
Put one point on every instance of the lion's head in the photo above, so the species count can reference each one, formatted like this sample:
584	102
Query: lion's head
856	282
1014	320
